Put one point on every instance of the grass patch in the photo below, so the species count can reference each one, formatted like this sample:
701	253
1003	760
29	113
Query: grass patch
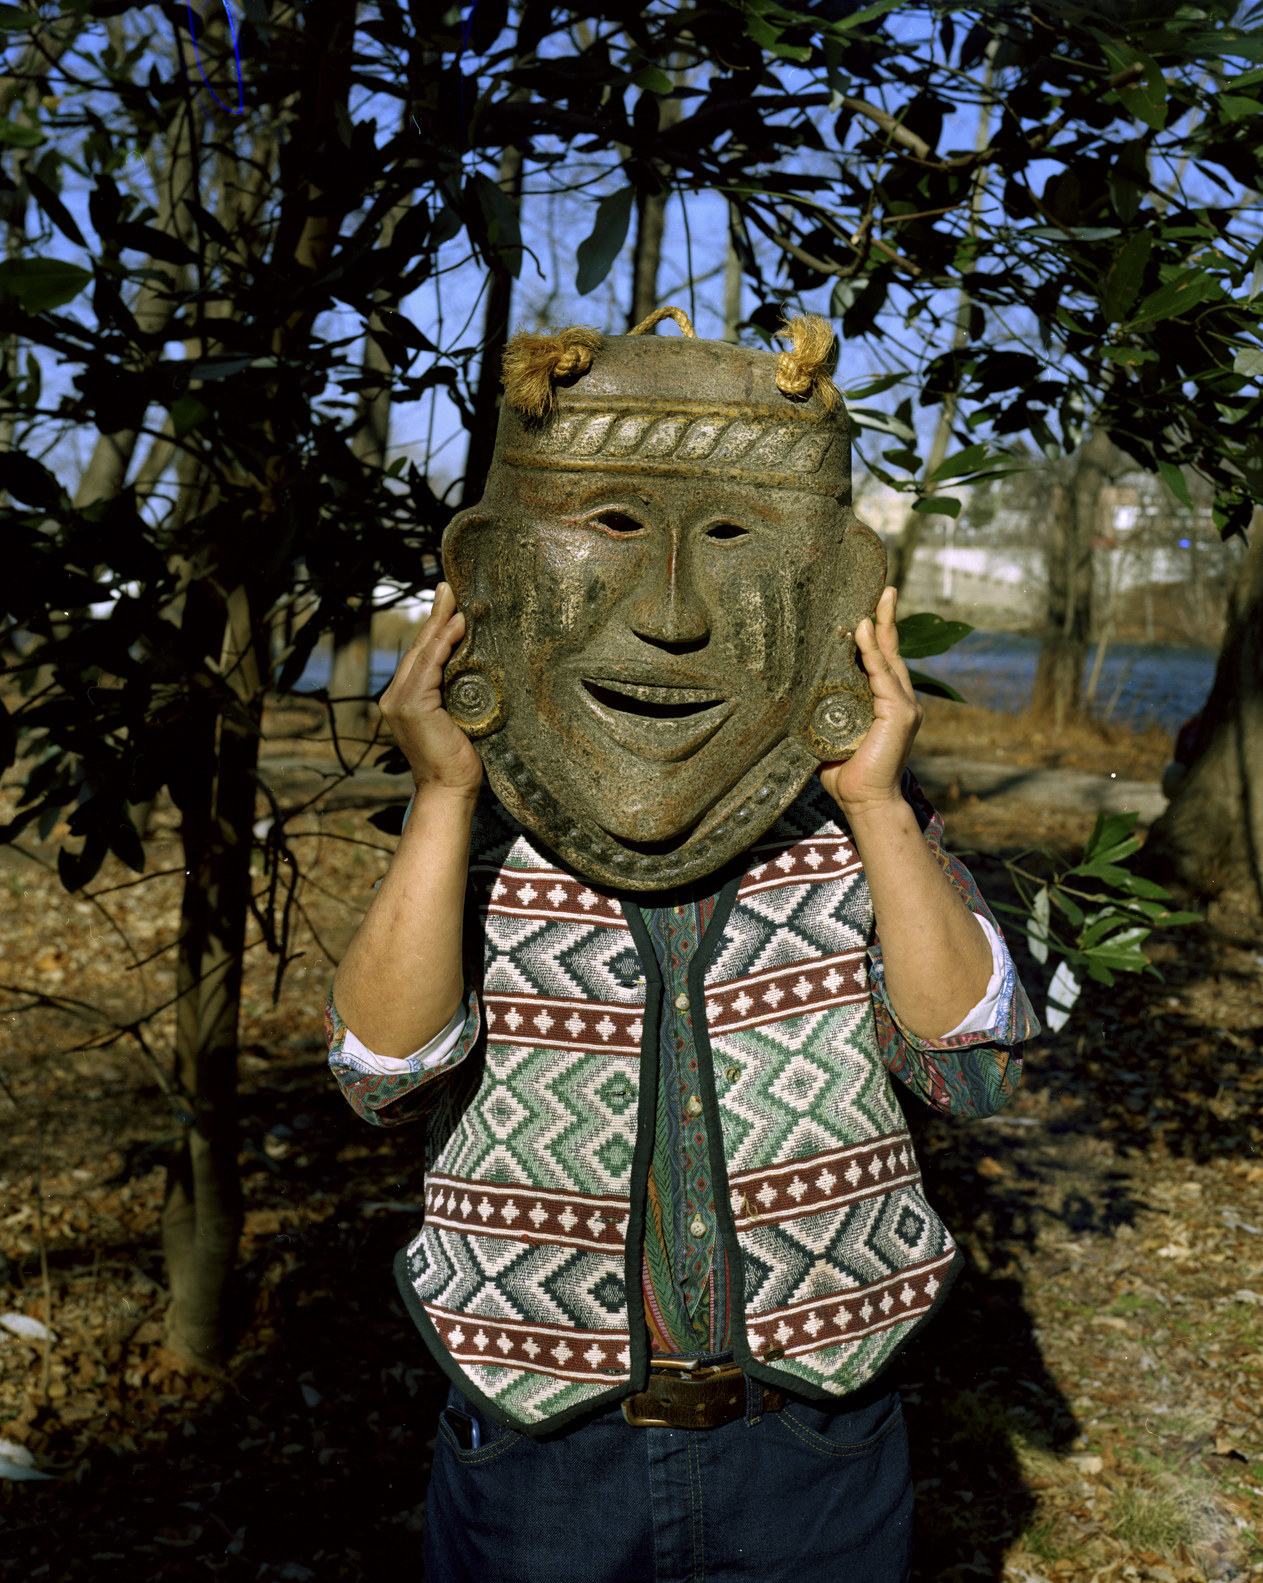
1159	1516
1133	1303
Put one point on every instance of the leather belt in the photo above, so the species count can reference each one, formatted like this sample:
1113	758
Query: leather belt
680	1396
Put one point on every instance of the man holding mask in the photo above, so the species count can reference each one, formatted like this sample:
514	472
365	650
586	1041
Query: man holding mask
649	987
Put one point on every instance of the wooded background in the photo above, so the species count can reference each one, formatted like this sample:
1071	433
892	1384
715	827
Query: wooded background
240	251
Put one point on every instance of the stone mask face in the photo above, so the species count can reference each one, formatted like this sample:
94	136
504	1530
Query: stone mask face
660	584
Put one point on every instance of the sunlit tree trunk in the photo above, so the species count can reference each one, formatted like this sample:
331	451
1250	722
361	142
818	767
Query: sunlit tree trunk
1210	839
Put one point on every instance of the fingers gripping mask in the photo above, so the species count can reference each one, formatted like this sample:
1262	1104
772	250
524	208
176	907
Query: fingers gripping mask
661	584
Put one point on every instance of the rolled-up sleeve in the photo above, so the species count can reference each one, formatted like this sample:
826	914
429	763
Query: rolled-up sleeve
975	1069
388	1090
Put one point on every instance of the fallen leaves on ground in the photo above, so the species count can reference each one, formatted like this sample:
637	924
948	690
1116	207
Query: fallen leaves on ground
1086	1407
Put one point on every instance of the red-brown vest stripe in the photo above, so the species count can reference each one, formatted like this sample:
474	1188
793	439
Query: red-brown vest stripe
550	894
841	1177
553	1024
542	1349
524	1214
809	1326
787	992
826	857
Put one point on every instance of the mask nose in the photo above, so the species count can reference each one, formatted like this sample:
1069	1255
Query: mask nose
669	610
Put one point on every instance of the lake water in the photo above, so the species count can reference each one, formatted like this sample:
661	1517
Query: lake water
1141	684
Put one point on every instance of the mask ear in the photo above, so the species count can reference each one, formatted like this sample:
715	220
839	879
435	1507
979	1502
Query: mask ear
473	685
840	709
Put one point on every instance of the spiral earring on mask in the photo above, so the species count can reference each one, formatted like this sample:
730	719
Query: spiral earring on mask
840	710
473	686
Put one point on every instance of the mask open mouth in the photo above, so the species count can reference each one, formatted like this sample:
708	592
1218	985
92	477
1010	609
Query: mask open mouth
655	722
653	703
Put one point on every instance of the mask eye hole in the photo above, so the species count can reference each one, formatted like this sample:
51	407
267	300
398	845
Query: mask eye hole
726	530
618	523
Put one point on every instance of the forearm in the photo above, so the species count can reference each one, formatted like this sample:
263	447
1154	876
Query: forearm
402	980
936	959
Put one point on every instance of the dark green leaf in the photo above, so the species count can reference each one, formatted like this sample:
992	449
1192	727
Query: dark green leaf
13	19
932	687
966	461
938	506
54	208
1107	873
1122	282
186	413
28	482
653	79
153	243
1108	832
1235	107
1173	477
925	634
596	253
18	134
847	24
1071	908
41	283
1188	288
78	868
500	216
874	387
1144	97
126	846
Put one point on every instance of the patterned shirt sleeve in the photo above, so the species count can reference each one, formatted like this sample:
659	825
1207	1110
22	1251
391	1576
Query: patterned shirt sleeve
969	1074
389	1100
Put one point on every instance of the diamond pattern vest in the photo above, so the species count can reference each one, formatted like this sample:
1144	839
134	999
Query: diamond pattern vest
525	1279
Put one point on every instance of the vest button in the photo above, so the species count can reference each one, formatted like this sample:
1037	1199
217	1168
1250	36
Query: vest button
697	1226
681	1002
732	1073
694	1106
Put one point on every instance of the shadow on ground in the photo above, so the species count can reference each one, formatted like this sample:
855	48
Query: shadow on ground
309	1461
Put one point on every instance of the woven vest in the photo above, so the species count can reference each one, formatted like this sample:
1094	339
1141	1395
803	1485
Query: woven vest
526	1277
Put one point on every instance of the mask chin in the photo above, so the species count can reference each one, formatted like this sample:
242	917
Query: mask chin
734	823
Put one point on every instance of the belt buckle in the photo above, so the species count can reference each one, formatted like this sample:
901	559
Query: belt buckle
637	1422
691	1371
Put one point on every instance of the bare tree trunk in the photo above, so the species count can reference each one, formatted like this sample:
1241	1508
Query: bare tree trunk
202	1215
651	222
1210	839
495	335
1058	691
351	673
732	281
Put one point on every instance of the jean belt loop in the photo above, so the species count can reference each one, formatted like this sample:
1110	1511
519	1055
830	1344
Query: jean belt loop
754	1401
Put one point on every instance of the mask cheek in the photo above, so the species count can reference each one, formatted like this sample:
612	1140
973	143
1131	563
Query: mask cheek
569	596
764	633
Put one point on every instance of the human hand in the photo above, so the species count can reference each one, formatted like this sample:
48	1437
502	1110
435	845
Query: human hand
873	776
439	753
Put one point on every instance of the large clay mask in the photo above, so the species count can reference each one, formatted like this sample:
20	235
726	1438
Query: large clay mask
661	585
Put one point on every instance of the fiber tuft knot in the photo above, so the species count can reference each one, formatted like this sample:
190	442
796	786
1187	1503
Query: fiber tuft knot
807	364
534	364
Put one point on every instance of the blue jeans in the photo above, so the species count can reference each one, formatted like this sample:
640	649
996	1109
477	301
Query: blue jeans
809	1494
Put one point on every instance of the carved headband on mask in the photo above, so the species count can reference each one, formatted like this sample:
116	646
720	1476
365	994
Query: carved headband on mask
660	584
